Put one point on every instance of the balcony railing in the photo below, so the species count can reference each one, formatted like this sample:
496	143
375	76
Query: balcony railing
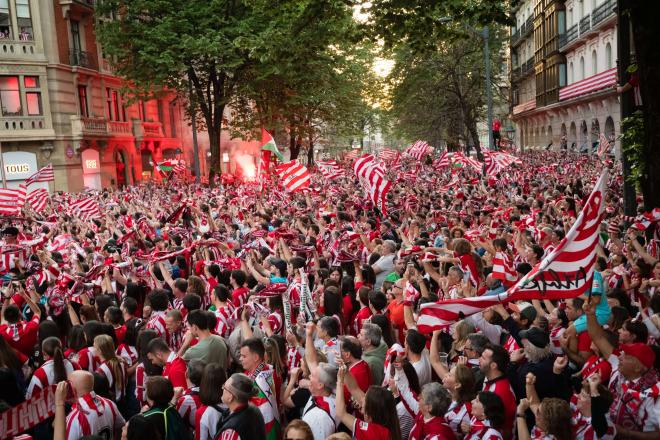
83	59
119	127
143	129
16	48
585	24
589	23
602	12
13	123
523	31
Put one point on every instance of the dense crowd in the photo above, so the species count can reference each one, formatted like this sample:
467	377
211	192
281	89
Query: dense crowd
245	312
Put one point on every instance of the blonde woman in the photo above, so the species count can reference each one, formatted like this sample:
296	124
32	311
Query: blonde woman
462	330
112	366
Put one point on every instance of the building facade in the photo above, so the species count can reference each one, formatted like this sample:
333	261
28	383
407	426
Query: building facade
563	78
61	103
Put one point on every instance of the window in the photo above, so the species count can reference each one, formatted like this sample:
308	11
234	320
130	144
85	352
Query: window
32	96
562	75
75	36
561	22
82	101
570	17
173	118
24	20
108	103
594	62
143	111
5	21
608	56
115	106
581	67
10	96
571	74
161	114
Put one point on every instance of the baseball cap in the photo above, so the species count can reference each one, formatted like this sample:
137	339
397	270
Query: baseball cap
643	352
524	309
536	336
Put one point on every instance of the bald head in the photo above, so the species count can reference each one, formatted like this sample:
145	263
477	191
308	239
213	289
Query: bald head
82	382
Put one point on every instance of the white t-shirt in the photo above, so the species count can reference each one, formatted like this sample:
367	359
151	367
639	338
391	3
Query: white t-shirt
322	423
386	266
423	368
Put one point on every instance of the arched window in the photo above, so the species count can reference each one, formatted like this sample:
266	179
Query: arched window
581	67
608	56
594	62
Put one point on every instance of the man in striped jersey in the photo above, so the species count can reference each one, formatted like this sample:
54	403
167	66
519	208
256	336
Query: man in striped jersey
91	414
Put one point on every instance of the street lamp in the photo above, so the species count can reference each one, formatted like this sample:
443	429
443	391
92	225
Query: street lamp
485	34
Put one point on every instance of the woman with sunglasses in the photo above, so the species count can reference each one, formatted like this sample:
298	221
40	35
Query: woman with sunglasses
378	406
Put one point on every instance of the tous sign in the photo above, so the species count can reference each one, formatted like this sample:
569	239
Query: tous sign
18	168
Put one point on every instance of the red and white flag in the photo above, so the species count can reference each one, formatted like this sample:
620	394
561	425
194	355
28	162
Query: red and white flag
86	209
566	272
38	199
330	169
294	175
372	177
419	150
45	174
388	155
496	161
603	145
503	269
12	200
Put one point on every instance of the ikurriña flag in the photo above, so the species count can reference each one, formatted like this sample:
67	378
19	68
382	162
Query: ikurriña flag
566	272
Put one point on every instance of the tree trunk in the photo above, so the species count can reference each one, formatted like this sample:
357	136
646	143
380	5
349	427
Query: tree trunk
216	154
294	146
643	16
310	152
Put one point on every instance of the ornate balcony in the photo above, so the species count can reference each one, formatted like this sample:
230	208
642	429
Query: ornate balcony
83	59
604	13
88	127
25	127
120	128
142	129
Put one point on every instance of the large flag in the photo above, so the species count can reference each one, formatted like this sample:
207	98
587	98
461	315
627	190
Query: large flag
372	177
496	161
38	199
566	272
330	169
603	145
12	200
45	174
294	175
418	150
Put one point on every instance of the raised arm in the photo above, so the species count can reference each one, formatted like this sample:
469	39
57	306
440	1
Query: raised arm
434	356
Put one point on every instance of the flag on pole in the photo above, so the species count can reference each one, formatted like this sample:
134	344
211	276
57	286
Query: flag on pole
12	200
268	144
294	175
566	272
372	177
603	145
45	174
419	150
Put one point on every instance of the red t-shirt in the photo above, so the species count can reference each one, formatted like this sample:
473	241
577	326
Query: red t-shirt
120	333
362	315
21	336
584	342
369	431
175	371
239	296
347	308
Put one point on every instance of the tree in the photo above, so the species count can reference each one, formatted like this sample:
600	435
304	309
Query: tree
643	20
440	95
220	47
422	24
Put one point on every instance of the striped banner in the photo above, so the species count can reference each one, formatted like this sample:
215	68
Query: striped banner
294	175
566	272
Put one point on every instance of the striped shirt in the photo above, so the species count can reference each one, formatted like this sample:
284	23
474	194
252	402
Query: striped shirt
45	376
92	414
206	422
187	406
116	384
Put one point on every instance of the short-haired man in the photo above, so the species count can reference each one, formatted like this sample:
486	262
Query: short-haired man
417	354
19	334
159	302
327	331
494	362
252	360
209	348
243	420
224	310
161	413
240	293
374	350
351	354
174	368
188	401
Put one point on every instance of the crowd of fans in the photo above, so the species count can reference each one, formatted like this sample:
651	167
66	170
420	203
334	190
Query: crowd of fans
243	313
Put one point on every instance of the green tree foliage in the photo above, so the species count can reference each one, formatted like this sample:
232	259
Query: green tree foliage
440	95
